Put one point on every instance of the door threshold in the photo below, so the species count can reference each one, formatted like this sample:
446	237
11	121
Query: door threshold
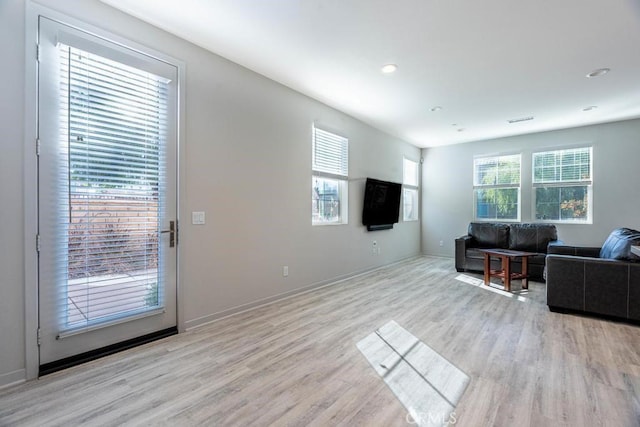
78	359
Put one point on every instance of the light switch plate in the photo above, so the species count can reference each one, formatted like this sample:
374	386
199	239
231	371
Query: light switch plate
197	218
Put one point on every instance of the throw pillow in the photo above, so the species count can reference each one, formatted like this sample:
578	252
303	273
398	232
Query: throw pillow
618	244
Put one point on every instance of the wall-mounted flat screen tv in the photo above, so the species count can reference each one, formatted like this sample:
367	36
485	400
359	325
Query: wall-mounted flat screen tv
381	204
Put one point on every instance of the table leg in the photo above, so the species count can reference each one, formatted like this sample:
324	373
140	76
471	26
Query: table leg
487	269
506	269
525	272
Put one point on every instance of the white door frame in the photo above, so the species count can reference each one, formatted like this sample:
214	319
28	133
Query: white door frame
30	179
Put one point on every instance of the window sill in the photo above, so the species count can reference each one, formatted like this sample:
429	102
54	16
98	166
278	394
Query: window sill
325	224
514	221
542	221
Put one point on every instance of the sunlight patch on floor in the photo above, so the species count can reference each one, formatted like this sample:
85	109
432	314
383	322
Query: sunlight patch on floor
493	287
426	383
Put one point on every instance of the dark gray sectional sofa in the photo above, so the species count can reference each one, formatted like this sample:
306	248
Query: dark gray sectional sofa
490	235
603	281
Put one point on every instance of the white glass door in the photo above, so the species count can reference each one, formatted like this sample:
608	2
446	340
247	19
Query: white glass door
107	193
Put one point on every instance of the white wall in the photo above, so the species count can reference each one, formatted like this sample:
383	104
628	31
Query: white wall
248	167
447	182
11	191
247	164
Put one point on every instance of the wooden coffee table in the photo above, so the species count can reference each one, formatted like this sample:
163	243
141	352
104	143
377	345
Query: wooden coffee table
505	273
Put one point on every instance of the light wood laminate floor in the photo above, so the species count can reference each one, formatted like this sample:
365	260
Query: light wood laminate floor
295	362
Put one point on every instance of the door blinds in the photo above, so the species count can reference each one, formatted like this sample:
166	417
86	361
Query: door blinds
112	130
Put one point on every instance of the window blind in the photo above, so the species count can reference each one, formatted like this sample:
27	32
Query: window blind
410	172
113	127
330	154
562	166
499	170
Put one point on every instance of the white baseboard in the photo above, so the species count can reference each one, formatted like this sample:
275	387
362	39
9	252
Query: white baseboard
12	378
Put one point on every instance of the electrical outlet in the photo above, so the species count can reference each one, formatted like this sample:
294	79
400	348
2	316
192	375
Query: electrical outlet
285	271
441	242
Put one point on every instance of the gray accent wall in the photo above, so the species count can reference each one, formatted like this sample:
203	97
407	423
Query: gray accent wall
246	162
447	182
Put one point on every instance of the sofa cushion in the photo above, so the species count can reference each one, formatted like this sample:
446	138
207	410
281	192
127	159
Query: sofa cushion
489	234
618	244
474	253
531	237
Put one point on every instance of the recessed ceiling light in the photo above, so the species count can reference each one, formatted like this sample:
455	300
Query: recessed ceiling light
454	124
389	68
599	72
461	130
590	107
436	108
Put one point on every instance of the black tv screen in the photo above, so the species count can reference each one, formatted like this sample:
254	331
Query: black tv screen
381	204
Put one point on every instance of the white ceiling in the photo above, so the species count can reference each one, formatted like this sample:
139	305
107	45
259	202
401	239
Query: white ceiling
484	62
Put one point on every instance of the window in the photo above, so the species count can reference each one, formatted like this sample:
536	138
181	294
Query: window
496	187
410	190
562	185
329	187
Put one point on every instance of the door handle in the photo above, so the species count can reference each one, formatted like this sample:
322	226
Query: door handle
172	233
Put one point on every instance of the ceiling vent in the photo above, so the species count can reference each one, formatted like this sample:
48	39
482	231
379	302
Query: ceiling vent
521	119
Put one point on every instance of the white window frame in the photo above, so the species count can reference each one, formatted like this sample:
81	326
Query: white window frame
329	163
512	184
560	182
410	190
